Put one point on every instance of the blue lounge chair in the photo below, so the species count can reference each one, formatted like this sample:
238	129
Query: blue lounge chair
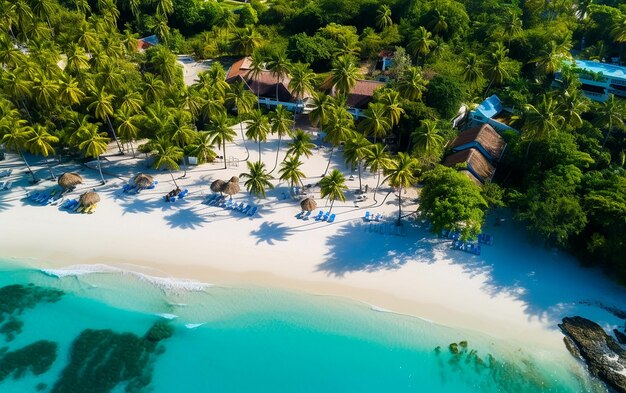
477	250
73	204
331	218
208	199
252	211
319	215
307	215
151	186
326	216
368	216
378	217
128	187
300	215
34	196
239	207
246	209
183	193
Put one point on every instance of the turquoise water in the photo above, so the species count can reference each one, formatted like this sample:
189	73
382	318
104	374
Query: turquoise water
214	339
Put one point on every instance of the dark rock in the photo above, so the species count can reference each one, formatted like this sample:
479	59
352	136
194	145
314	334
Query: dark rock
605	358
621	337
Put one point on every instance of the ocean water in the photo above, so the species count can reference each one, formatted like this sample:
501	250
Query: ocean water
99	329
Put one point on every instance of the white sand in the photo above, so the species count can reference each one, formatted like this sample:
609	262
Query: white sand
516	290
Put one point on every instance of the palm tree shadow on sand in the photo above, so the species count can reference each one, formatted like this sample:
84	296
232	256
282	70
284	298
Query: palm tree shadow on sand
184	219
271	232
359	247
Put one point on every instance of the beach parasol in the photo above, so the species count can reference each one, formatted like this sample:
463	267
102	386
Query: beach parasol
234	179
69	180
143	181
231	187
308	204
217	185
89	198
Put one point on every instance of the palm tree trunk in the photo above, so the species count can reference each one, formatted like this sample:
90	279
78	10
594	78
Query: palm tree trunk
12	34
174	180
52	177
259	149
359	168
27	165
224	149
100	170
114	134
606	138
243	137
331	206
332	149
280	137
489	86
132	148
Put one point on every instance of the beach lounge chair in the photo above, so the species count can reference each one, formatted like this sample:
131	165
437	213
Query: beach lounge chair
300	215
33	196
331	218
67	203
252	211
246	209
319	215
325	217
183	193
378	217
151	186
128	187
2	185
73	205
368	216
307	215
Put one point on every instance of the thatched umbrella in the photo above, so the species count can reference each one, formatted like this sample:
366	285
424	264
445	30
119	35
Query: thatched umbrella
143	181
234	179
70	180
89	198
217	185
308	204
231	187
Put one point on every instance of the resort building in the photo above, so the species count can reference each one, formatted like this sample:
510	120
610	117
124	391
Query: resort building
385	59
147	42
473	164
492	112
599	80
361	95
265	86
482	138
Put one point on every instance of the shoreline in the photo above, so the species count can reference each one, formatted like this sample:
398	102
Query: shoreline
516	290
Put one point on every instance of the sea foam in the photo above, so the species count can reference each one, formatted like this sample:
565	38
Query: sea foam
167	284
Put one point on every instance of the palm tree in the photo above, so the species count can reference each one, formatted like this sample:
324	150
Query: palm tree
420	42
181	131
344	74
279	67
572	104
221	132
164	7
102	107
15	135
333	186
618	30
290	171
301	145
438	22
302	82
132	102
77	59
18	86
202	147
69	91
257	67
340	128
472	69
166	155
40	141
412	85
497	66
376	122
393	110
8	17
280	124
45	91
426	138
247	40
383	17
258	128
243	101
94	143
322	104
610	114
355	151
127	126
378	160
550	59
154	88
512	26
400	174
541	121
258	179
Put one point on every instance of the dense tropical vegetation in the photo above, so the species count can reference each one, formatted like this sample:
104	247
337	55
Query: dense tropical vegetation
73	79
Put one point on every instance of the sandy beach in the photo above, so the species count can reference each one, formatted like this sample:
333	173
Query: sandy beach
516	290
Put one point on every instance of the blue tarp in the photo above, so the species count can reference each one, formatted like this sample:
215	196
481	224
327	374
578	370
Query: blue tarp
490	107
151	39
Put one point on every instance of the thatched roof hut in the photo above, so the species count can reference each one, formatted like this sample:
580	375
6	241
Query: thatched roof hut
234	179
473	161
70	180
217	185
89	198
143	181
483	138
231	187
308	204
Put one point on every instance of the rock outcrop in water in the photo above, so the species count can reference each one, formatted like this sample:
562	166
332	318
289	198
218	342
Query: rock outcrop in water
605	358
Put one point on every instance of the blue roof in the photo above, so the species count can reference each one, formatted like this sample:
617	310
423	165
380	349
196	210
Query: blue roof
610	70
151	39
490	107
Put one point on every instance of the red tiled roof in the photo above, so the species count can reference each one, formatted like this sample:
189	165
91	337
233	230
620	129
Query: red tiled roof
143	45
362	92
386	53
475	159
263	84
486	136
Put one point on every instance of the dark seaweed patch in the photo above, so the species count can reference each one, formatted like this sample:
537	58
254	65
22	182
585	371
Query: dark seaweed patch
14	299
102	359
36	357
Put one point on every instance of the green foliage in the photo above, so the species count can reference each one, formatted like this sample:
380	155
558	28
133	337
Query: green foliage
445	94
451	201
315	50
